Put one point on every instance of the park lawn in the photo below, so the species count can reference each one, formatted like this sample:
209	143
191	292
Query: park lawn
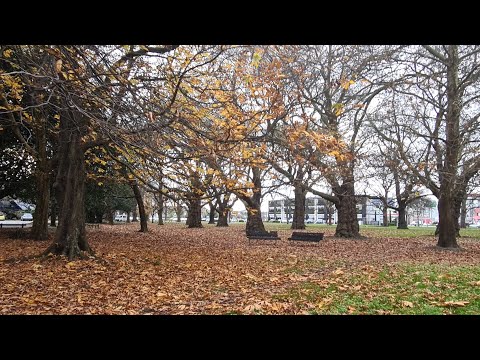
371	231
426	289
175	270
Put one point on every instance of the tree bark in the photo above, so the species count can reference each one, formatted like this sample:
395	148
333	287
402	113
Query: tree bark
446	204
254	214
141	207
347	224
446	226
459	198
128	217
70	237
298	221
110	216
222	215
178	211
40	221
385	212
402	216
42	177
254	221
160	209
99	217
212	213
135	215
194	218
53	213
463	214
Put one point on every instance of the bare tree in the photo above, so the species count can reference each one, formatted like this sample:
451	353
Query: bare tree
440	85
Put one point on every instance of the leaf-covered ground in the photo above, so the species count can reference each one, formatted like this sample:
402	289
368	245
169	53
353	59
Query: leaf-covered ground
174	270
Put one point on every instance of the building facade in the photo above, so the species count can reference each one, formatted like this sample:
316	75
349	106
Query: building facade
317	210
472	209
320	211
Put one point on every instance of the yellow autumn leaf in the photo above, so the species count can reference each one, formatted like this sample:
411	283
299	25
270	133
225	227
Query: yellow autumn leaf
338	109
346	83
7	53
58	65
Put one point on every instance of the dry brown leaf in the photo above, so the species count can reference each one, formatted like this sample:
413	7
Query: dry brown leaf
219	274
338	272
455	303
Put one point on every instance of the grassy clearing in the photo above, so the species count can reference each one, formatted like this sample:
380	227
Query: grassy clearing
373	231
400	289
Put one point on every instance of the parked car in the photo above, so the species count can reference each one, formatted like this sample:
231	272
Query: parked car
2	216
121	218
309	221
476	226
27	217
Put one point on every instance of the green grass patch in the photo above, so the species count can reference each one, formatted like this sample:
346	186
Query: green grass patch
401	289
373	231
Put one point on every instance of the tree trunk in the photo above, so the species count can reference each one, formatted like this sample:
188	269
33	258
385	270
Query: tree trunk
385	210
194	219
458	199
42	177
40	221
298	221
178	211
254	221
347	223
446	203
90	216
463	214
141	207
402	216
222	215
254	214
384	217
446	225
212	213
128	217
53	213
222	220
160	209
135	215
110	216
99	217
70	237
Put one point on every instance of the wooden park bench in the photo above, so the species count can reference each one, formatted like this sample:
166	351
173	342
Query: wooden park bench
272	235
306	236
93	226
